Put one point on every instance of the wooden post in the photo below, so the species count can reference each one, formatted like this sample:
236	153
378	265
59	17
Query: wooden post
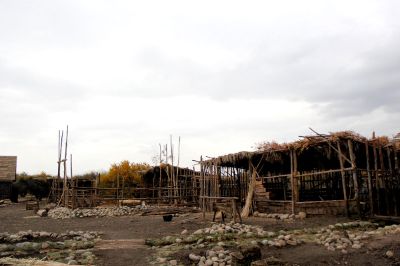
355	179
384	173
160	179
250	192
389	158
73	184
234	210
292	176
396	161
202	187
377	183
65	184
371	202
343	178
295	181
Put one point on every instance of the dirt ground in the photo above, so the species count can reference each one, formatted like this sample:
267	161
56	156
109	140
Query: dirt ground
123	238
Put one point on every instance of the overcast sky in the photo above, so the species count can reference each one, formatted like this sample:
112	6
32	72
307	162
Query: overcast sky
223	75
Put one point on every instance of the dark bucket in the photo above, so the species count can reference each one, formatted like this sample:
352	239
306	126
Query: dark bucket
167	218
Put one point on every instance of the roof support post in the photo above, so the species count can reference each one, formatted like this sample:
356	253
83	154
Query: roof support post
371	202
355	178
343	178
293	180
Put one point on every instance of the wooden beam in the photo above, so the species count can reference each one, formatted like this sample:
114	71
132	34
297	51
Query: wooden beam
342	172
328	141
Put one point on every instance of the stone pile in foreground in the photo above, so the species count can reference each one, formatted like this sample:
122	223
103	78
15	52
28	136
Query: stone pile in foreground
66	213
239	244
73	247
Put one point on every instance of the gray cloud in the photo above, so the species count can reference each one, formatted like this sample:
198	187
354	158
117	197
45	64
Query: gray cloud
35	88
118	73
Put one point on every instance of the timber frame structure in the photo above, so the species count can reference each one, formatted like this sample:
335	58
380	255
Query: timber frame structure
157	187
339	173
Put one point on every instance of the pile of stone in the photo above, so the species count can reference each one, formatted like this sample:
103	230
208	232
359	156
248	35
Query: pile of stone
281	216
344	236
282	241
65	213
60	213
71	247
234	228
216	256
5	202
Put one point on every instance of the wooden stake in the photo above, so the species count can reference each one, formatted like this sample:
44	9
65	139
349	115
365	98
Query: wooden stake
249	199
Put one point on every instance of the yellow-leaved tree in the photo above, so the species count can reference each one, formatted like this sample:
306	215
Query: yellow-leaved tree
124	172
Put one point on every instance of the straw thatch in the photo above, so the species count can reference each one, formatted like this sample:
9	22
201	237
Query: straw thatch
314	146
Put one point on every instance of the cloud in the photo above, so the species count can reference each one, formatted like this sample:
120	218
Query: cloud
222	75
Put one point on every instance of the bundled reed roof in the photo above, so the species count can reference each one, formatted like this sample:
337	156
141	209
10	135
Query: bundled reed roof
273	152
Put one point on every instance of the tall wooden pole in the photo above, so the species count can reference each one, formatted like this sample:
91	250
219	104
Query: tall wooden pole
292	176
389	155
377	183
201	198
396	161
343	178
73	183
355	178
160	177
65	188
371	202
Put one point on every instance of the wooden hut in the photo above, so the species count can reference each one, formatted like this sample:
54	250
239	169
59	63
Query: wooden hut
339	173
8	169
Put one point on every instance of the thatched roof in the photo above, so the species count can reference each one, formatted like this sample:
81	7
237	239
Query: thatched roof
308	141
274	153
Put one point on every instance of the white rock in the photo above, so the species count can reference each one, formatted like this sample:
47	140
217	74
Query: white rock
389	254
198	232
161	260
194	257
302	215
209	262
